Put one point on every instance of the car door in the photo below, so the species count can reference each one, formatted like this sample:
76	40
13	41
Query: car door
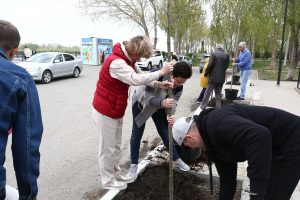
69	63
58	65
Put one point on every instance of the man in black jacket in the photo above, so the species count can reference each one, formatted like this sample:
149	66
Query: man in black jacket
216	70
268	138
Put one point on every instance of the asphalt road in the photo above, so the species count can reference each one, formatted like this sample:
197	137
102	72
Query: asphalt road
69	148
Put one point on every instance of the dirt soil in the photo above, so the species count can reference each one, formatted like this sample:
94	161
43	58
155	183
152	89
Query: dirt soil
153	184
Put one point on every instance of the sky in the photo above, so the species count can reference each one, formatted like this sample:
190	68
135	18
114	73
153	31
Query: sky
63	22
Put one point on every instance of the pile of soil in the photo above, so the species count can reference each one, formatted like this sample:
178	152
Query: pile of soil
153	183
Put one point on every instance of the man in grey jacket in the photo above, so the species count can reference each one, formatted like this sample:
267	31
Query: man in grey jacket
216	69
152	102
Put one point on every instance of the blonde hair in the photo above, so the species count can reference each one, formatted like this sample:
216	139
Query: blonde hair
139	45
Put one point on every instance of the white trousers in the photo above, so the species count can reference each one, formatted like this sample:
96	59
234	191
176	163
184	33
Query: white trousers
110	138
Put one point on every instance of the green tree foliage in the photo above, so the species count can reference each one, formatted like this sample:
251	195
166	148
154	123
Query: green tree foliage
186	26
257	22
50	47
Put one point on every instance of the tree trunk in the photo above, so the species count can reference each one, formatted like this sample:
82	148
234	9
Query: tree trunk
168	31
275	46
176	38
295	54
287	49
153	4
253	47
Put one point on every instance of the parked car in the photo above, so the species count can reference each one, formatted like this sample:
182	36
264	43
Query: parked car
202	61
156	60
48	65
186	59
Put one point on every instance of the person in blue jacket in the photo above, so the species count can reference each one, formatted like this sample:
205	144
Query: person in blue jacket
244	63
20	112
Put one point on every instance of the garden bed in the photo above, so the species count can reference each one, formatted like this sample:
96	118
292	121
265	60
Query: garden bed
153	183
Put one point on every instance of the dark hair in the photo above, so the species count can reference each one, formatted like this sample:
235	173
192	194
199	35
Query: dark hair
9	36
174	57
182	69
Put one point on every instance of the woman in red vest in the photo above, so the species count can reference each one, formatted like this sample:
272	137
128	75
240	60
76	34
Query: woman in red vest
118	72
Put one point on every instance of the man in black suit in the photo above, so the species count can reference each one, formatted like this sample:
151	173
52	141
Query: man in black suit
216	69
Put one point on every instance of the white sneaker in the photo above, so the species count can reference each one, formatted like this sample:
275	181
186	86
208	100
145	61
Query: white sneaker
133	171
181	165
127	179
115	185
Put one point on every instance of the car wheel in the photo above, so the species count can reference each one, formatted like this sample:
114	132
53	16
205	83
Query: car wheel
160	64
76	72
46	77
149	66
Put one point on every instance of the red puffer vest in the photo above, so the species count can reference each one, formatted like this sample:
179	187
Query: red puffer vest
110	98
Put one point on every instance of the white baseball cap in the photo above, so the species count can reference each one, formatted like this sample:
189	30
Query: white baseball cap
181	128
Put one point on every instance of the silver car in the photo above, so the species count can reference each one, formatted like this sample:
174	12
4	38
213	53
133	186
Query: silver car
48	65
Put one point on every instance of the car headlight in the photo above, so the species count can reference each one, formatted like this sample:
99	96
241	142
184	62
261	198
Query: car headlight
34	69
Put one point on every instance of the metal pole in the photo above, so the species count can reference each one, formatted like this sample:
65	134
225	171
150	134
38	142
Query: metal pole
282	42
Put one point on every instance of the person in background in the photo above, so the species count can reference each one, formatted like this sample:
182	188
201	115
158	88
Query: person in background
27	53
268	138
216	70
150	102
174	58
20	114
203	81
244	63
118	72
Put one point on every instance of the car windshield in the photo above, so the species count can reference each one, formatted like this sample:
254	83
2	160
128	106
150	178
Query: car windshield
41	58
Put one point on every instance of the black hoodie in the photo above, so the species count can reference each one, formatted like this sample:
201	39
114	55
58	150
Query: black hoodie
236	133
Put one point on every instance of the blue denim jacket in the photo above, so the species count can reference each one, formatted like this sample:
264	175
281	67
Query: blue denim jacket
20	110
244	62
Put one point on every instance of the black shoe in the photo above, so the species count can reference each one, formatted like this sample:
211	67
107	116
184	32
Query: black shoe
240	98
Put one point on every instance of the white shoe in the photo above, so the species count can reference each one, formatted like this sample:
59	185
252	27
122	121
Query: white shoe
126	179
181	165
115	185
133	171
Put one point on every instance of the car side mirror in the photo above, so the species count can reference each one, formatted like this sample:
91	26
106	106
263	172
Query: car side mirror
56	61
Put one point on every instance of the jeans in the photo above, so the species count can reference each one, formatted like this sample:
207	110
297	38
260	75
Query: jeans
161	123
244	79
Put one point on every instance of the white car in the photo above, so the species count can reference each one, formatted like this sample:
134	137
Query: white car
186	59
48	65
156	60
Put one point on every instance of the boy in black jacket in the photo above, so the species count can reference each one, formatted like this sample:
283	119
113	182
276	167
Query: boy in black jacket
268	138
